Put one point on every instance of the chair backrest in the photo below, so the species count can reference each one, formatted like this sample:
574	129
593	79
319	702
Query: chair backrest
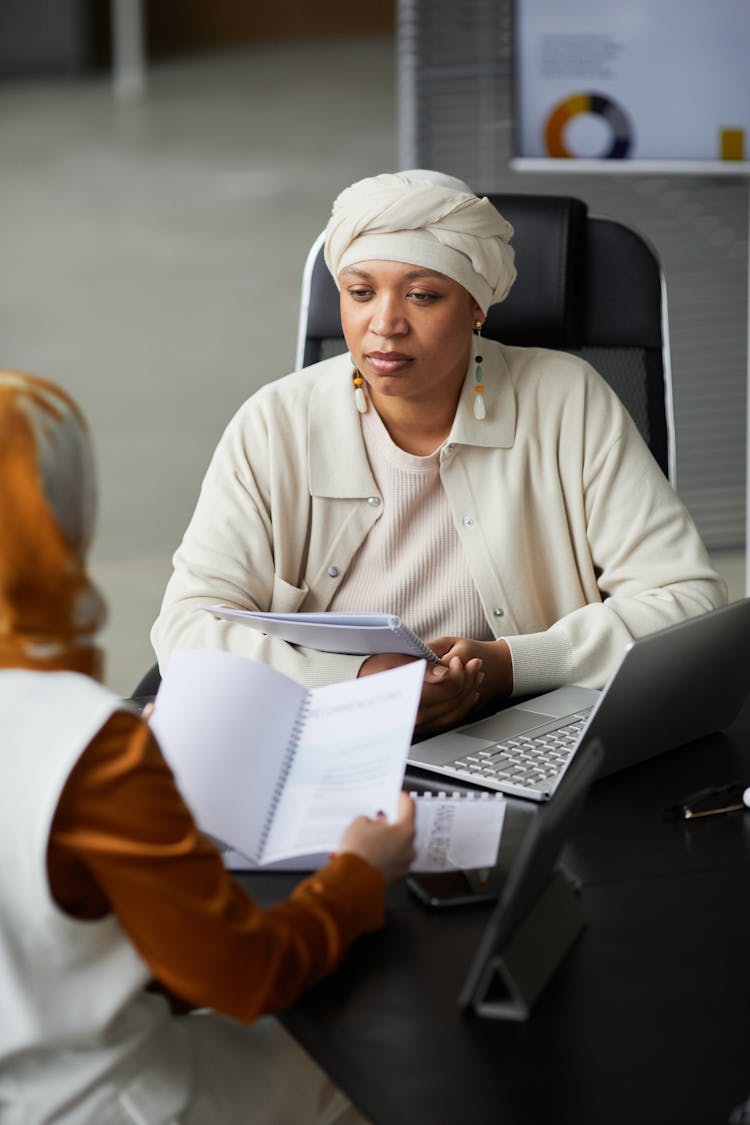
147	687
586	285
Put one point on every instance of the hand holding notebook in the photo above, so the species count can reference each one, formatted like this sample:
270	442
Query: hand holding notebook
358	634
277	772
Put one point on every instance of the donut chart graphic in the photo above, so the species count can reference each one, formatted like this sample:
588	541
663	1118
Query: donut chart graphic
600	106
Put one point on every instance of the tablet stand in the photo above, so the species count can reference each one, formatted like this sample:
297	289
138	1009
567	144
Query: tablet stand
530	954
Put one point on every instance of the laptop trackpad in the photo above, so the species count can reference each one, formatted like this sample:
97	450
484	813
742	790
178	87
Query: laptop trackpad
505	724
531	713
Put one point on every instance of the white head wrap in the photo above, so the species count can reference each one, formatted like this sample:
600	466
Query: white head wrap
425	219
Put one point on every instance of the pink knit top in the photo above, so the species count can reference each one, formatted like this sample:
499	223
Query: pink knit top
412	563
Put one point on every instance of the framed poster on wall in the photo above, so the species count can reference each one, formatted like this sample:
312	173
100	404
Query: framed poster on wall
640	86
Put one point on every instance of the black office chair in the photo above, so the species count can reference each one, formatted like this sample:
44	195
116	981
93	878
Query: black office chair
147	687
585	285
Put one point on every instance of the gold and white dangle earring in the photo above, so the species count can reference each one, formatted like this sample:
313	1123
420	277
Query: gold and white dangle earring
480	411
359	395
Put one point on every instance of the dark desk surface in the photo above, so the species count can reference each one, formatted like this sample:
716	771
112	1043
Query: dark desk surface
645	1022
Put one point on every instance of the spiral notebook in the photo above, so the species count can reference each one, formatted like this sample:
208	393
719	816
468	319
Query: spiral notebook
275	770
358	634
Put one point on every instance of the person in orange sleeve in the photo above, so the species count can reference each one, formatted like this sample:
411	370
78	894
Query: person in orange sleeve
107	886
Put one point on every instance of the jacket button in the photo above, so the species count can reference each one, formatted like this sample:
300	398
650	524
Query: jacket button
333	571
468	521
498	612
373	501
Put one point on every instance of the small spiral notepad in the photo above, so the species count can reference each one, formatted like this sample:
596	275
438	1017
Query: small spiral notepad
458	830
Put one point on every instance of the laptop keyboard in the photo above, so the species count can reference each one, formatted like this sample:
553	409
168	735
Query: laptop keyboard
526	760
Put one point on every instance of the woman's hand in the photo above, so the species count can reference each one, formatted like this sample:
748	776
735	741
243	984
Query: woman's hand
497	664
389	847
449	691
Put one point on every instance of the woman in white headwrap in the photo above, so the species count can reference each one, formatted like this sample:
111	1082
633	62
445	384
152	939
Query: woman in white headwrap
106	885
499	499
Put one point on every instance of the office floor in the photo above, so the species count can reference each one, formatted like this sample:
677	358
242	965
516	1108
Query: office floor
153	254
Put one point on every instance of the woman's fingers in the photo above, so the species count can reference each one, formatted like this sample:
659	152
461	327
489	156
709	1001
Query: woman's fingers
447	698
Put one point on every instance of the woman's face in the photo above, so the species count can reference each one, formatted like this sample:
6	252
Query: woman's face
408	329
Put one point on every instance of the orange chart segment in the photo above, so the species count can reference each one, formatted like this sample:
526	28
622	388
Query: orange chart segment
559	118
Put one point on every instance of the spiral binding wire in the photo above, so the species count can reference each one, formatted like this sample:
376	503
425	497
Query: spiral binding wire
423	650
281	780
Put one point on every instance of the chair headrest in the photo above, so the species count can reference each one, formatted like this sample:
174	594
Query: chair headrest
545	306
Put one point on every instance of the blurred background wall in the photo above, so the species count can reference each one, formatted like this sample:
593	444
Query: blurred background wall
47	37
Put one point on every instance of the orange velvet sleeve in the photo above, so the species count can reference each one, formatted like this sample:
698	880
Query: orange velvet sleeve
123	840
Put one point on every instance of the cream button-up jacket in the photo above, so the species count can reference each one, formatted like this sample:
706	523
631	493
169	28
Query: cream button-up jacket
575	540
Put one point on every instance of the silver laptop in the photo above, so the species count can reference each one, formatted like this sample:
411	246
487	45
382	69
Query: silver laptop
670	687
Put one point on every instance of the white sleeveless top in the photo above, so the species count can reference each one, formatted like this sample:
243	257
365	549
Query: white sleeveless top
77	1029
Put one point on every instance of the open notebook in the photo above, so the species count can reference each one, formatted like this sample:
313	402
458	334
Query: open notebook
670	687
